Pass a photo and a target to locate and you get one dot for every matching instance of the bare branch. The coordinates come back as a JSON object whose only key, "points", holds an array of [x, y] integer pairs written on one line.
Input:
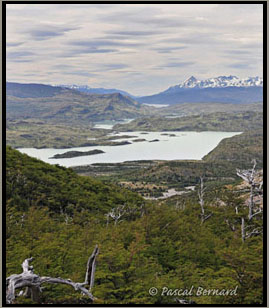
{"points": [[259, 212], [230, 225], [201, 192], [116, 213], [249, 177], [91, 265], [208, 216], [27, 279], [243, 231], [254, 232]]}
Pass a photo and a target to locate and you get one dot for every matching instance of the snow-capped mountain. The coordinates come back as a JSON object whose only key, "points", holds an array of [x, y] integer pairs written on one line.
{"points": [[221, 82], [223, 89]]}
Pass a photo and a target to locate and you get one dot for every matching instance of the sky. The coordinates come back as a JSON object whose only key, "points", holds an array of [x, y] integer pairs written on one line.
{"points": [[139, 48]]}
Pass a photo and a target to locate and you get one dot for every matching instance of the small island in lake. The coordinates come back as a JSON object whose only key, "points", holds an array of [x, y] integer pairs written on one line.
{"points": [[139, 140], [121, 143], [71, 154]]}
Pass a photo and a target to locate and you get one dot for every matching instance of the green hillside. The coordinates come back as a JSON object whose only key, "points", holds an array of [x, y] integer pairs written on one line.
{"points": [[58, 217], [31, 182], [240, 149]]}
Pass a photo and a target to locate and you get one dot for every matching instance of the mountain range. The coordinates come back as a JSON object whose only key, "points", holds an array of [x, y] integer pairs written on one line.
{"points": [[222, 89], [61, 104], [88, 89], [81, 103], [219, 82]]}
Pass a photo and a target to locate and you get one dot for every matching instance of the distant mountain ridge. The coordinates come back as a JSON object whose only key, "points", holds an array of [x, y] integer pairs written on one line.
{"points": [[87, 89], [220, 82], [63, 104], [32, 90], [222, 89]]}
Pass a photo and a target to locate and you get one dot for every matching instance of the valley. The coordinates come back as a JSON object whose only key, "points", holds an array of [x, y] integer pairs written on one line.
{"points": [[128, 140], [133, 153], [134, 175]]}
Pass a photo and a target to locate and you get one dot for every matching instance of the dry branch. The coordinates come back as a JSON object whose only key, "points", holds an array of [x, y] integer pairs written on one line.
{"points": [[27, 279], [201, 192]]}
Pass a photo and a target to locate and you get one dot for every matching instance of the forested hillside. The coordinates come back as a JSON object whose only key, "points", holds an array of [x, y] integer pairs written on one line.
{"points": [[240, 149], [31, 182], [58, 217]]}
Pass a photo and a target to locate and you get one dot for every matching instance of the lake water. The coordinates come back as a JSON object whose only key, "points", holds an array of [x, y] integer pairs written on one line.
{"points": [[109, 124], [156, 105], [184, 145]]}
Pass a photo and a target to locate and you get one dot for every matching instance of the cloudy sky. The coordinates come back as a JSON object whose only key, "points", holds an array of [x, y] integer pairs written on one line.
{"points": [[140, 48]]}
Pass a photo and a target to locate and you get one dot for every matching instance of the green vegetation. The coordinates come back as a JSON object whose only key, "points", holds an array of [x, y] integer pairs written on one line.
{"points": [[240, 149], [57, 217], [33, 182], [218, 121]]}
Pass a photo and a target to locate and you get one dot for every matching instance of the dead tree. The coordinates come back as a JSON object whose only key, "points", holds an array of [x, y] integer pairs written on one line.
{"points": [[201, 192], [247, 234], [116, 213], [32, 282], [255, 187]]}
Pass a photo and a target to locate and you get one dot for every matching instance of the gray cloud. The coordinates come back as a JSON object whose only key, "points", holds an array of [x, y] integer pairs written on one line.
{"points": [[20, 56], [80, 51], [43, 32], [239, 65], [82, 73], [115, 66], [168, 49], [143, 48], [62, 67], [14, 44], [175, 64], [20, 60], [95, 44], [238, 52], [135, 33], [151, 18]]}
